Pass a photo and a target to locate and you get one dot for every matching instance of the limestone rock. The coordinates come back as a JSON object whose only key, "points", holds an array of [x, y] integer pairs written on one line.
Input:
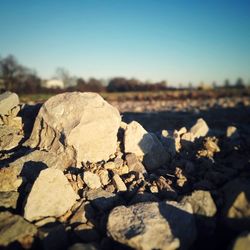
{"points": [[153, 225], [83, 214], [232, 132], [102, 199], [137, 140], [91, 180], [8, 101], [10, 137], [9, 199], [51, 195], [9, 178], [15, 228], [200, 128], [83, 122], [157, 156], [118, 183]]}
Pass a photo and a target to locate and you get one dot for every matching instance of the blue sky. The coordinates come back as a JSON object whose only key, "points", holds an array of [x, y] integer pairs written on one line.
{"points": [[173, 40]]}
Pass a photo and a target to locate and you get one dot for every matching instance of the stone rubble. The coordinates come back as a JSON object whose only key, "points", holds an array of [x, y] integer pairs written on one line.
{"points": [[84, 179]]}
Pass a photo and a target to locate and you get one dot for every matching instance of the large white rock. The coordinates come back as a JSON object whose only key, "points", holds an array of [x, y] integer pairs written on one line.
{"points": [[51, 195], [82, 122], [8, 101]]}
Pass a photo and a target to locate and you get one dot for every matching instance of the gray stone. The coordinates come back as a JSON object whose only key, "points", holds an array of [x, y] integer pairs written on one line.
{"points": [[8, 101], [157, 156], [9, 178], [91, 180], [9, 199], [102, 199], [51, 195], [81, 122], [83, 214], [134, 164], [15, 228], [204, 210], [10, 137], [137, 140], [200, 128], [153, 225]]}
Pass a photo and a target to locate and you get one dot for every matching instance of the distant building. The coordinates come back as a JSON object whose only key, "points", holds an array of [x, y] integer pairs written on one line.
{"points": [[53, 83]]}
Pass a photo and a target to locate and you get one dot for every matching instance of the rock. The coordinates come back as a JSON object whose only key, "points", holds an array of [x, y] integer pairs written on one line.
{"points": [[104, 176], [200, 128], [156, 157], [80, 122], [83, 214], [15, 228], [9, 199], [204, 210], [102, 199], [51, 195], [188, 137], [153, 225], [232, 132], [242, 242], [28, 167], [144, 197], [10, 137], [8, 101], [235, 211], [134, 164], [9, 178], [119, 184], [91, 180], [109, 165], [137, 140]]}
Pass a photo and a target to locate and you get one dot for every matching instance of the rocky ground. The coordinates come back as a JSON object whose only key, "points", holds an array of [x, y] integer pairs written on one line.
{"points": [[75, 174]]}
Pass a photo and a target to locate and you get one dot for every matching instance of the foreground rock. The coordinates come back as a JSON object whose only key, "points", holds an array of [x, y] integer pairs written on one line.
{"points": [[51, 195], [81, 122], [15, 228], [164, 225], [8, 101]]}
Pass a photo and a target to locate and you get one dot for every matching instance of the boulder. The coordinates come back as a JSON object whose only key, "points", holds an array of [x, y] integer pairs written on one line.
{"points": [[200, 128], [8, 101], [153, 225], [81, 122], [51, 195], [15, 228]]}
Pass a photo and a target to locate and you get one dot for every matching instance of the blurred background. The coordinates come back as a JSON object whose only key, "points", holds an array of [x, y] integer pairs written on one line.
{"points": [[152, 50]]}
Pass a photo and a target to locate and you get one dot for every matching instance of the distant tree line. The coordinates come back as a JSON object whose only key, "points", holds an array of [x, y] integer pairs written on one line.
{"points": [[18, 78]]}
